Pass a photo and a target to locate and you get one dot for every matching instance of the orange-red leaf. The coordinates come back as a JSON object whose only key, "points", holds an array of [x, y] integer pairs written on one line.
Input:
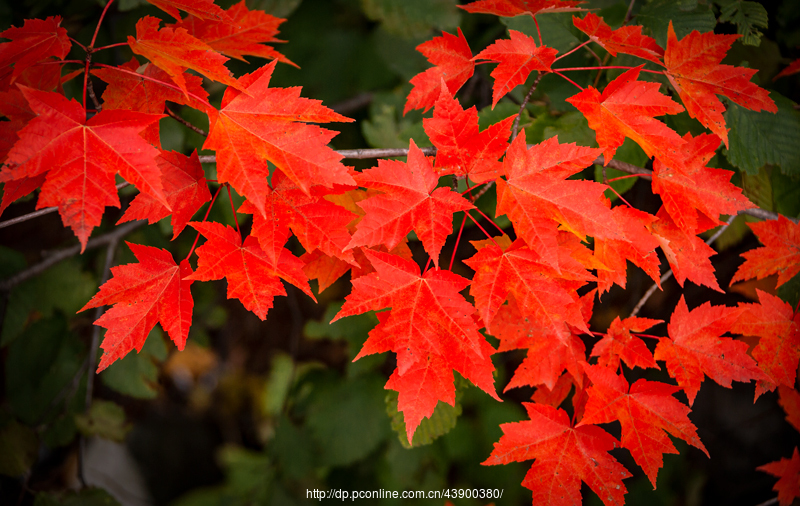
{"points": [[695, 347], [564, 456], [694, 69], [647, 412], [793, 68], [452, 58], [511, 8], [518, 57], [619, 344], [778, 349], [253, 277], [788, 470], [790, 402], [626, 39], [697, 188], [173, 50], [537, 195], [185, 188], [687, 254], [203, 9], [627, 108], [271, 124], [37, 40], [410, 200], [80, 158], [462, 149], [430, 327], [780, 254], [154, 290], [242, 36]]}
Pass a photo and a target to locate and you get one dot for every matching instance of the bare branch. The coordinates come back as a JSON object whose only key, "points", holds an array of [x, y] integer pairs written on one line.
{"points": [[109, 238], [669, 273], [522, 106], [353, 104], [174, 115]]}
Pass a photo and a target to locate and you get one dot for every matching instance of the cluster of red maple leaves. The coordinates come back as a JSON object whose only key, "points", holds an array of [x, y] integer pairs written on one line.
{"points": [[524, 291]]}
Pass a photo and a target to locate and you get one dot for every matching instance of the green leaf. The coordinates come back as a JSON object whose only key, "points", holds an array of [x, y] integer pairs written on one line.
{"points": [[440, 423], [19, 448], [277, 384], [557, 30], [137, 374], [747, 16], [346, 420], [399, 54], [105, 419], [293, 449], [42, 362], [686, 16], [620, 186], [353, 330], [759, 138], [790, 291], [63, 287], [89, 496], [572, 127], [413, 18]]}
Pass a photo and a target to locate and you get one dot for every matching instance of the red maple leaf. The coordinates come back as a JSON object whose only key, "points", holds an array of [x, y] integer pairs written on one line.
{"points": [[635, 244], [788, 470], [780, 254], [185, 188], [430, 327], [537, 195], [697, 188], [694, 69], [203, 9], [647, 412], [253, 276], [564, 456], [154, 290], [687, 254], [243, 35], [37, 40], [270, 124], [778, 350], [80, 158], [173, 50], [511, 8], [619, 344], [518, 57], [518, 270], [695, 346], [790, 402], [627, 108], [625, 39], [410, 200], [462, 149], [452, 58], [147, 88], [316, 222], [793, 68]]}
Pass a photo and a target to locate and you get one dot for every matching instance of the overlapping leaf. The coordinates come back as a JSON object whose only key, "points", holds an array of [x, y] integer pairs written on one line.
{"points": [[81, 157], [202, 9], [154, 290], [647, 412], [627, 108], [694, 69], [620, 345], [410, 200], [35, 41], [625, 39], [253, 276], [510, 8], [788, 472], [271, 124], [695, 347], [430, 328], [563, 457]]}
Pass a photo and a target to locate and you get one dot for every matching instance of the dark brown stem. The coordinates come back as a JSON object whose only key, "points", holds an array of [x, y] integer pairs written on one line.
{"points": [[175, 116], [629, 14], [515, 128], [90, 90]]}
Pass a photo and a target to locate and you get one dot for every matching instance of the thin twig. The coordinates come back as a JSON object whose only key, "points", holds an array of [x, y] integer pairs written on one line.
{"points": [[628, 15], [515, 128], [111, 237], [669, 273], [360, 154], [41, 212], [185, 123], [353, 104], [90, 90], [769, 502]]}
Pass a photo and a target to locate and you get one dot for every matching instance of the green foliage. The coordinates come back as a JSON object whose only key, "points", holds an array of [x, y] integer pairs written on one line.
{"points": [[136, 375], [105, 419], [686, 15], [748, 18], [20, 448], [413, 18]]}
